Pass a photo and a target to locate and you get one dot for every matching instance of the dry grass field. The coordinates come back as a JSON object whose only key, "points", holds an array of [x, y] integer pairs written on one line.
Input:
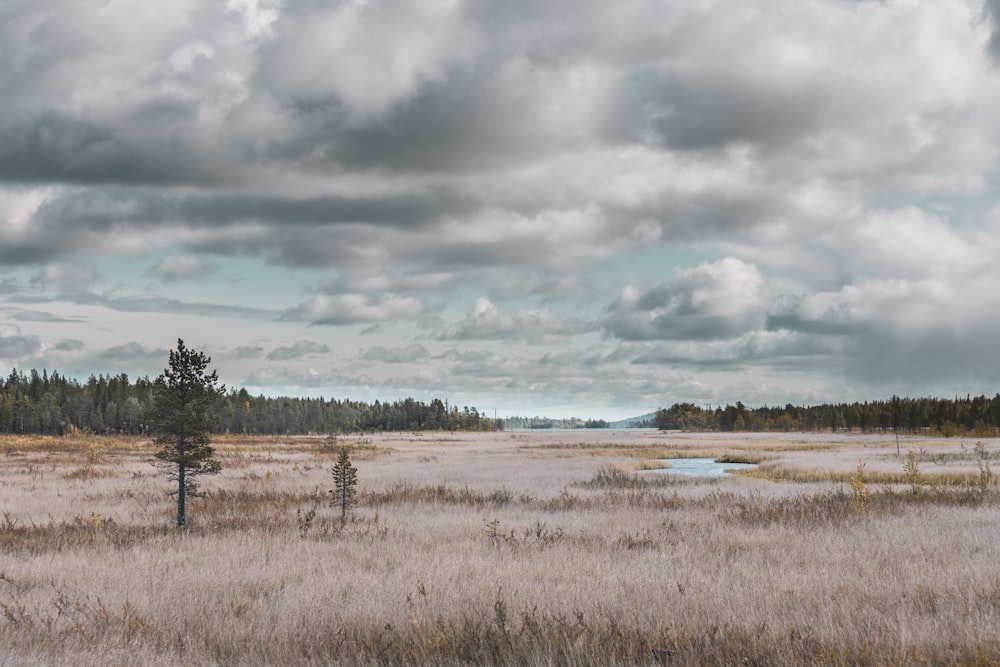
{"points": [[505, 548]]}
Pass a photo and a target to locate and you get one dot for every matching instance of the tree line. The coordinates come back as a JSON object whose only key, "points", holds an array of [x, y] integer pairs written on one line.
{"points": [[53, 404], [518, 423], [972, 415]]}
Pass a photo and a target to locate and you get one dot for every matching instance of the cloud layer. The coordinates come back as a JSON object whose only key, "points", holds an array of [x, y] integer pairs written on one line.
{"points": [[567, 205]]}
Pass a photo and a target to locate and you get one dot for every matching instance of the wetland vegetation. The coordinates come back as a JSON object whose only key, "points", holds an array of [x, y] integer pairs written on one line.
{"points": [[494, 548]]}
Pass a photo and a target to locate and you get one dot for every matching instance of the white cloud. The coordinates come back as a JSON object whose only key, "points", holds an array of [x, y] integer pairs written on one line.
{"points": [[396, 355], [258, 15], [182, 267], [66, 278], [190, 54], [367, 56], [17, 207], [355, 309], [298, 350], [794, 193], [722, 299], [486, 321]]}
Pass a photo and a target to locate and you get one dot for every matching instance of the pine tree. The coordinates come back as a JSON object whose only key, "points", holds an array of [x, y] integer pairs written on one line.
{"points": [[184, 395], [345, 482]]}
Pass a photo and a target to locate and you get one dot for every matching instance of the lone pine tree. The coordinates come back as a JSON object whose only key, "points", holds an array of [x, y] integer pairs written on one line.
{"points": [[345, 482], [181, 418]]}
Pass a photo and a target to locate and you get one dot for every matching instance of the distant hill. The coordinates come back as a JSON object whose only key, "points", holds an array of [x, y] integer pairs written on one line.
{"points": [[542, 423], [647, 420]]}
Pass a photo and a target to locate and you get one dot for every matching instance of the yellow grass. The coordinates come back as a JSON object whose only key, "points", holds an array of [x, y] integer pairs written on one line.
{"points": [[778, 473], [470, 549]]}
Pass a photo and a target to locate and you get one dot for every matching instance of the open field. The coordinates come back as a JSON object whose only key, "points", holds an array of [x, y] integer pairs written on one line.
{"points": [[504, 548]]}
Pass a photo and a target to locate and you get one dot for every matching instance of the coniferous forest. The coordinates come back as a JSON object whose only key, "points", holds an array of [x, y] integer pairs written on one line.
{"points": [[972, 415], [114, 404], [57, 405]]}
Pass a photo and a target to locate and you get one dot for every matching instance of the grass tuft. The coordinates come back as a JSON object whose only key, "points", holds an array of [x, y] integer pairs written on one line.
{"points": [[439, 494]]}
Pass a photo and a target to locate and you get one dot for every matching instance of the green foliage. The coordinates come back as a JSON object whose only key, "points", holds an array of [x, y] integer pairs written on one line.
{"points": [[977, 415], [113, 404], [912, 471], [345, 482], [858, 487], [184, 395], [95, 452]]}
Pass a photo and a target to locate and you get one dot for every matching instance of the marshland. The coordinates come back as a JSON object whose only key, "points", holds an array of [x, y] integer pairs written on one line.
{"points": [[554, 548]]}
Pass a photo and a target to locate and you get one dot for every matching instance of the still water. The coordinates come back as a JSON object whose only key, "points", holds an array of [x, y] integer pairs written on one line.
{"points": [[701, 467]]}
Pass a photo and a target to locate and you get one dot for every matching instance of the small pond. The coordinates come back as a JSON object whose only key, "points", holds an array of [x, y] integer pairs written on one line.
{"points": [[701, 467]]}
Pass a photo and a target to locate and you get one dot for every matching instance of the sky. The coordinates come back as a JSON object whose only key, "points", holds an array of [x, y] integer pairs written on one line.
{"points": [[563, 207]]}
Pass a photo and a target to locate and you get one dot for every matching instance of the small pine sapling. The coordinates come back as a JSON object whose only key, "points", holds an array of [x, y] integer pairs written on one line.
{"points": [[345, 482]]}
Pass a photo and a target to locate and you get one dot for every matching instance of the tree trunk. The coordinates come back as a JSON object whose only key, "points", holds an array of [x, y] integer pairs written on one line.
{"points": [[180, 494], [343, 501]]}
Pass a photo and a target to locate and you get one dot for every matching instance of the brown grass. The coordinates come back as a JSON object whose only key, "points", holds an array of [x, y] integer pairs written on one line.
{"points": [[470, 552], [777, 473]]}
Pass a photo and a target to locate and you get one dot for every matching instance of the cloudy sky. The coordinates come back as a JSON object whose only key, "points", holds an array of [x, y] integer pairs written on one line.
{"points": [[563, 207]]}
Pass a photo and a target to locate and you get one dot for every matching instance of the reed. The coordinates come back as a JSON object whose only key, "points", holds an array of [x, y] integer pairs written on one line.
{"points": [[779, 473]]}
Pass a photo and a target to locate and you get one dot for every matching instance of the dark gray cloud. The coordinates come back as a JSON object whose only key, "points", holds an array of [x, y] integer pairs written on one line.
{"points": [[789, 196], [306, 232], [54, 147], [406, 210], [148, 304], [753, 352], [706, 109], [505, 97], [16, 347], [21, 315], [104, 209], [10, 286], [890, 332], [69, 345], [89, 98], [793, 321], [796, 315], [131, 352], [469, 122], [248, 352], [992, 8], [151, 303], [935, 356]]}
